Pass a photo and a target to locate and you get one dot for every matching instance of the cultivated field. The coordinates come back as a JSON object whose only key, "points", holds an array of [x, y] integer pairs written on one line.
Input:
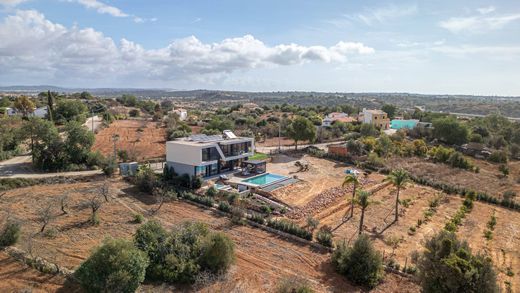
{"points": [[142, 139], [503, 248], [263, 259], [489, 179]]}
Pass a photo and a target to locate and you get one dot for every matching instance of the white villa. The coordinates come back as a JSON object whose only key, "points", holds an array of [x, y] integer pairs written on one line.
{"points": [[208, 155]]}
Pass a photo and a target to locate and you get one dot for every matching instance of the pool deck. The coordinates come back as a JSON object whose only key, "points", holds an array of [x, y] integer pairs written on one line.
{"points": [[238, 178]]}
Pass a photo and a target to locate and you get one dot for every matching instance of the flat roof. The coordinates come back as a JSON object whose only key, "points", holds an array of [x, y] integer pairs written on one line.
{"points": [[202, 139]]}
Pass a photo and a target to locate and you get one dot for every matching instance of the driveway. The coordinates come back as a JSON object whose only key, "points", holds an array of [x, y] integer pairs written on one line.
{"points": [[93, 123], [266, 150]]}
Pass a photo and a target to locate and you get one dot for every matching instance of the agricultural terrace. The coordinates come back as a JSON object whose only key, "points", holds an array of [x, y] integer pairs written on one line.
{"points": [[263, 258], [423, 212]]}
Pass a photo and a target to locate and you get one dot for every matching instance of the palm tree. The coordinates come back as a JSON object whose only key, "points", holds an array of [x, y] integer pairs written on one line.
{"points": [[363, 201], [399, 178], [351, 179]]}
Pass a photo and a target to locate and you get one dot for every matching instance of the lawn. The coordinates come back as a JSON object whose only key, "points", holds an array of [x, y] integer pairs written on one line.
{"points": [[259, 156]]}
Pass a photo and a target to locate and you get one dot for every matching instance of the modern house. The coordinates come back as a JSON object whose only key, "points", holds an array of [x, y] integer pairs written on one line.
{"points": [[336, 116], [377, 118], [208, 155]]}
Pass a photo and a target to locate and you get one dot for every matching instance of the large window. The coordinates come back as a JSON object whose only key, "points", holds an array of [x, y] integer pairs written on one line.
{"points": [[210, 154], [231, 150]]}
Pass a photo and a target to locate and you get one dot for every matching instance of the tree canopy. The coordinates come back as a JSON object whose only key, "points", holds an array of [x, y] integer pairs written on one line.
{"points": [[300, 129]]}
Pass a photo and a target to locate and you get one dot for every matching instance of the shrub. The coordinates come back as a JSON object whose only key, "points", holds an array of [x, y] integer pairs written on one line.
{"points": [[488, 234], [10, 233], [116, 266], [145, 179], [498, 157], [447, 265], [224, 206], [211, 192], [294, 285], [138, 218], [324, 236], [181, 255], [109, 166], [361, 263], [257, 218], [290, 227], [237, 215], [509, 195], [265, 209], [218, 253]]}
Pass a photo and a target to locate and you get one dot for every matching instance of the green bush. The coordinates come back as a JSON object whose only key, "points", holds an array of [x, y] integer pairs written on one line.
{"points": [[116, 266], [324, 236], [224, 206], [361, 263], [294, 285], [181, 255], [211, 192], [447, 265], [138, 218], [109, 166], [146, 179], [10, 233], [218, 253], [289, 227], [257, 218], [498, 157]]}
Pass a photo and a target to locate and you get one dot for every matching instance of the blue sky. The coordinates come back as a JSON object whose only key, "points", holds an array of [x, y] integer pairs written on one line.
{"points": [[458, 47]]}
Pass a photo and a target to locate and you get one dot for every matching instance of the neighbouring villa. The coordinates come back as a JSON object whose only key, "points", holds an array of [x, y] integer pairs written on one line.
{"points": [[208, 155], [403, 123], [183, 114], [336, 116], [377, 118]]}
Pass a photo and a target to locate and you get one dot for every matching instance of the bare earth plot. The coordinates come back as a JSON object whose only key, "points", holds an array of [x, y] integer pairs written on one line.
{"points": [[263, 259], [16, 277], [140, 138], [488, 179]]}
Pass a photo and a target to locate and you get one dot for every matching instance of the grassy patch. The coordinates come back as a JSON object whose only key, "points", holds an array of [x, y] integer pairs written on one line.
{"points": [[259, 156]]}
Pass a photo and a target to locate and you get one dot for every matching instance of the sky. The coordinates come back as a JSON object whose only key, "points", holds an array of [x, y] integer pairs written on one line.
{"points": [[428, 46]]}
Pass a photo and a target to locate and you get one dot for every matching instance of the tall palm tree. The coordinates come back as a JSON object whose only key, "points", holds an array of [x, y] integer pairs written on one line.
{"points": [[399, 178], [363, 201], [351, 179]]}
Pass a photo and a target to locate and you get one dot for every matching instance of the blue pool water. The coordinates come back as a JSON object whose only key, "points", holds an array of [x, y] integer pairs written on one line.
{"points": [[264, 179], [399, 124]]}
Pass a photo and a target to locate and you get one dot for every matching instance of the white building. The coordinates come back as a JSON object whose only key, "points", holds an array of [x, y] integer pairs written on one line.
{"points": [[336, 116], [206, 156], [183, 114]]}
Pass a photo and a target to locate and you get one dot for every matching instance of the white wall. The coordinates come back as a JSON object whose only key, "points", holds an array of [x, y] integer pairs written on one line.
{"points": [[185, 154]]}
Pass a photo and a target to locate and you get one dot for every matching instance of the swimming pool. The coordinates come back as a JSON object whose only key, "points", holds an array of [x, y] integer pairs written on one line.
{"points": [[399, 124], [264, 179]]}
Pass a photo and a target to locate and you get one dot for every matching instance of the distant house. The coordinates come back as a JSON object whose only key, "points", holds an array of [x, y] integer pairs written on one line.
{"points": [[182, 113], [336, 116], [7, 111], [204, 156], [377, 118], [40, 112]]}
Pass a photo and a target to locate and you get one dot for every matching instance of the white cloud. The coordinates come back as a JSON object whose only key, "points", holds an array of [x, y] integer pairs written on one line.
{"points": [[486, 10], [102, 8], [383, 14], [11, 3], [481, 23], [34, 44], [491, 51]]}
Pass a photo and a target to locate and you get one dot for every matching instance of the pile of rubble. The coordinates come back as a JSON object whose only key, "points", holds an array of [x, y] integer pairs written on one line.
{"points": [[320, 202]]}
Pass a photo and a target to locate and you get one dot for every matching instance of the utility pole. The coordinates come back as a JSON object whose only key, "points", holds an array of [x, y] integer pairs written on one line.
{"points": [[279, 135], [115, 138]]}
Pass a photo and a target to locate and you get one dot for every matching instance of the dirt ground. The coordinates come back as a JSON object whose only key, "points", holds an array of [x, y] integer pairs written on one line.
{"points": [[17, 277], [489, 179], [142, 139], [263, 259], [322, 175], [285, 141]]}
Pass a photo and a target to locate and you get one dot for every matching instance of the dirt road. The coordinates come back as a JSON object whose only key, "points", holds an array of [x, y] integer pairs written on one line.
{"points": [[20, 167]]}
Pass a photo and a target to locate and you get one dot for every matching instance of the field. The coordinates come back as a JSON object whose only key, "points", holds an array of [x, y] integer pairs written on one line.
{"points": [[489, 179], [503, 248], [263, 259], [143, 140]]}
